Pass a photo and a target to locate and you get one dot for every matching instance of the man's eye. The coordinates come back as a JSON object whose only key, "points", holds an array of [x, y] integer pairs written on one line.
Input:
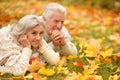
{"points": [[56, 21], [62, 22]]}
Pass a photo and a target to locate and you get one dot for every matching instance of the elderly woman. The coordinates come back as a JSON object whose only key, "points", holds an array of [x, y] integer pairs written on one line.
{"points": [[18, 44]]}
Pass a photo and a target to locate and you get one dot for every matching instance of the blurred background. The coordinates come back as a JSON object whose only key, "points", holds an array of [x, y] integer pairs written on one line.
{"points": [[95, 22], [86, 19]]}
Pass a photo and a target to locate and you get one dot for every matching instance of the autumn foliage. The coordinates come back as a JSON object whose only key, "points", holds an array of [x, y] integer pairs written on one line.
{"points": [[95, 32]]}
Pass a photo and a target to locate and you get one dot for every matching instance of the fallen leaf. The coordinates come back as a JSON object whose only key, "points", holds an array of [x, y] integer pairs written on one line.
{"points": [[36, 65]]}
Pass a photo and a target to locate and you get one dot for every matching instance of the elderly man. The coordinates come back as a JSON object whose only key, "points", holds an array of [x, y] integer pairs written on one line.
{"points": [[56, 34]]}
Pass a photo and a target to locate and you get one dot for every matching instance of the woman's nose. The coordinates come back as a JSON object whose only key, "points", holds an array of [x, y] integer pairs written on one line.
{"points": [[38, 37]]}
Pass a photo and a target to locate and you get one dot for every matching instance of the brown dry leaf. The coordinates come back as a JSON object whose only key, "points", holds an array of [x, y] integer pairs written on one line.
{"points": [[116, 56]]}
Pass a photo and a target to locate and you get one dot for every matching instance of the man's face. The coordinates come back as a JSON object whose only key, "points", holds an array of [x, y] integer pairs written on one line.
{"points": [[34, 35], [55, 22]]}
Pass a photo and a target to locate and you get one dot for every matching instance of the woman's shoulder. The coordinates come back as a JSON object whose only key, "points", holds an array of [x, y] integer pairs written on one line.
{"points": [[5, 31]]}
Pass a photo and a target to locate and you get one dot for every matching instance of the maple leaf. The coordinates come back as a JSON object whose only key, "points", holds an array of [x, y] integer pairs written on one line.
{"points": [[94, 77], [118, 70], [78, 63], [72, 76], [114, 77], [71, 57], [89, 70], [106, 53], [28, 76], [91, 51], [36, 65], [116, 56], [46, 71], [36, 76], [17, 78]]}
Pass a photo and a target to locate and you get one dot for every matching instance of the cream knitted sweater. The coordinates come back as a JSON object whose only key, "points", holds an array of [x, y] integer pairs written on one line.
{"points": [[15, 59]]}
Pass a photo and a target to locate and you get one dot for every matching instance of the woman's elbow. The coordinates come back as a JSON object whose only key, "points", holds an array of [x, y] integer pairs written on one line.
{"points": [[19, 70], [54, 61]]}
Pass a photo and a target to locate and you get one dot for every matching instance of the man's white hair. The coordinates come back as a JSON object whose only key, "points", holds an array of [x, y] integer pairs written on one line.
{"points": [[50, 8], [24, 24]]}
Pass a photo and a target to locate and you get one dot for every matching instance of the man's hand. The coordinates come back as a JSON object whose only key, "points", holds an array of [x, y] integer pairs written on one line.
{"points": [[22, 39], [58, 38]]}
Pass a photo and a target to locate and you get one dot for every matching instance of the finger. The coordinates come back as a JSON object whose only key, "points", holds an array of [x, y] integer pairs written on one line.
{"points": [[58, 37], [55, 33], [56, 43]]}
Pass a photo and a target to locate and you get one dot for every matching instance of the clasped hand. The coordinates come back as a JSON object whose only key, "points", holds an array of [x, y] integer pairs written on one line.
{"points": [[58, 38]]}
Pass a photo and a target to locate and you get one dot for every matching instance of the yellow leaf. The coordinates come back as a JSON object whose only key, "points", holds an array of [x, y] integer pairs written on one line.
{"points": [[114, 77], [17, 78], [118, 70], [88, 71], [72, 57], [62, 70], [36, 65], [82, 77], [106, 53], [91, 51], [2, 73], [72, 76], [29, 76], [97, 77], [94, 77], [36, 76], [47, 72]]}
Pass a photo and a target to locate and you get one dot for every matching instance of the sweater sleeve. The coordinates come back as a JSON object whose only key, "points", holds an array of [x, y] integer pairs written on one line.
{"points": [[69, 48], [48, 53], [17, 64]]}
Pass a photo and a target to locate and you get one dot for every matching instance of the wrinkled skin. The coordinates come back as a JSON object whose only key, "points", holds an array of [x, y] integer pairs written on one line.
{"points": [[32, 38], [54, 25]]}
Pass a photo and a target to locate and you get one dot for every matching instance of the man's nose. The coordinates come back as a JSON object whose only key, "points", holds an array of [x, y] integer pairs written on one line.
{"points": [[59, 26]]}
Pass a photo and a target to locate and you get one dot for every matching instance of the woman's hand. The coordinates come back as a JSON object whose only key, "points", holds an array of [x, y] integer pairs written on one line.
{"points": [[58, 38], [22, 39]]}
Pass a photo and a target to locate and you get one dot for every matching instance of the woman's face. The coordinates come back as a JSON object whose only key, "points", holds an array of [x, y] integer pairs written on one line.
{"points": [[34, 35]]}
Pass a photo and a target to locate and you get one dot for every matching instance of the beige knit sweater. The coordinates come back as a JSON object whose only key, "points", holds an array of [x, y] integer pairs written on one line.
{"points": [[15, 59]]}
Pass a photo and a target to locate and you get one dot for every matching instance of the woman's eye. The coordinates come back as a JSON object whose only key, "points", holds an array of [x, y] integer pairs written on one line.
{"points": [[34, 33], [41, 33]]}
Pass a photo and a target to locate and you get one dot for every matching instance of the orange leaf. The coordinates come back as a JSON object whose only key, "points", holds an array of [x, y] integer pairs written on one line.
{"points": [[37, 77], [36, 65], [78, 63]]}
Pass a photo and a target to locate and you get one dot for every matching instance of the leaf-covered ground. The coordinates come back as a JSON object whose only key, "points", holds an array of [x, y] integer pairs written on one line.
{"points": [[95, 32]]}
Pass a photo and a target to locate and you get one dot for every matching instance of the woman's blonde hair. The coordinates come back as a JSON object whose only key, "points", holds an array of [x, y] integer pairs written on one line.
{"points": [[24, 24]]}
